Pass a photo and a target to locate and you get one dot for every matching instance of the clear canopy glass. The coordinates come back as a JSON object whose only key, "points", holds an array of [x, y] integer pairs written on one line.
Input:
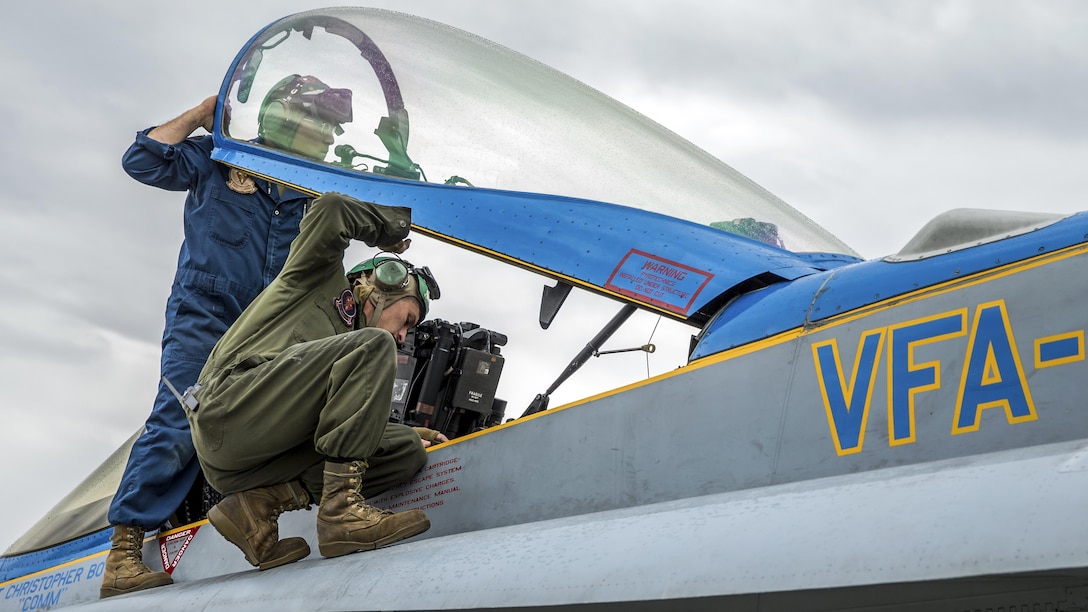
{"points": [[433, 103]]}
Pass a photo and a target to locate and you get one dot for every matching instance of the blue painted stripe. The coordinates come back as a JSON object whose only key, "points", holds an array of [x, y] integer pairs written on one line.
{"points": [[18, 566], [1058, 349]]}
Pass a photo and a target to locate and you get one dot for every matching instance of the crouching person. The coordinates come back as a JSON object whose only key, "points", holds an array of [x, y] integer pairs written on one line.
{"points": [[293, 403]]}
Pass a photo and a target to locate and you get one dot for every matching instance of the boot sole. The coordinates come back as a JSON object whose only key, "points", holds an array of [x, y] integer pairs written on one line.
{"points": [[341, 548], [105, 592], [234, 535], [289, 556]]}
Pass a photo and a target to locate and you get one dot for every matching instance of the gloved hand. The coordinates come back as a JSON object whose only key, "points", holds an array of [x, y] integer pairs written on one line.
{"points": [[430, 436], [397, 248]]}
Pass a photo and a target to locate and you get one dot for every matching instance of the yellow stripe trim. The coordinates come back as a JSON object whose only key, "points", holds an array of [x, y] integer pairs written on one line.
{"points": [[55, 568]]}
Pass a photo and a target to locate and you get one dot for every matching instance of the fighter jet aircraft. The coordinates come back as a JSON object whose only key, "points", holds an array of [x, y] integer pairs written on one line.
{"points": [[896, 434]]}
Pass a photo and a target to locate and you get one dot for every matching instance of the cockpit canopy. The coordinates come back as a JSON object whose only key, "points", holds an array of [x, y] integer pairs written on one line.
{"points": [[432, 103]]}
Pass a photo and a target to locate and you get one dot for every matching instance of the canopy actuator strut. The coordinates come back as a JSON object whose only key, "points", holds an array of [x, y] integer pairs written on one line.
{"points": [[540, 402]]}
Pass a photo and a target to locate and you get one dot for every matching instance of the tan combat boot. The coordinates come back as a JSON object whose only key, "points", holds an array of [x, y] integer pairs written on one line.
{"points": [[249, 520], [125, 570], [346, 524]]}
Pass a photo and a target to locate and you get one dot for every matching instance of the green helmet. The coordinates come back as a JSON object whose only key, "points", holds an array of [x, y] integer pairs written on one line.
{"points": [[397, 278], [296, 99], [748, 227]]}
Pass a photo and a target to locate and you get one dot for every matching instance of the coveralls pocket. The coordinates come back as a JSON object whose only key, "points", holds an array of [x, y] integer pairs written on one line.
{"points": [[207, 428], [215, 401], [200, 318], [315, 328], [230, 217], [224, 403]]}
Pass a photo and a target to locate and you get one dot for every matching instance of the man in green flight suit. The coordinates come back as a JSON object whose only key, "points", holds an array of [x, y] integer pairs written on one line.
{"points": [[292, 406]]}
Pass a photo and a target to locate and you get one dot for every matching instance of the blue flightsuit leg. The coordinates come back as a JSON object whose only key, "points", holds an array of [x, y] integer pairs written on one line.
{"points": [[162, 465]]}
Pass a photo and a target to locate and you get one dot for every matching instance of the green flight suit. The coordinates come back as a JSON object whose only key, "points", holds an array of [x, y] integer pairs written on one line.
{"points": [[293, 383]]}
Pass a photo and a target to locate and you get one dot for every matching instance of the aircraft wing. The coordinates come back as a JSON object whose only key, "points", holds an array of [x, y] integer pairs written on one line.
{"points": [[875, 540]]}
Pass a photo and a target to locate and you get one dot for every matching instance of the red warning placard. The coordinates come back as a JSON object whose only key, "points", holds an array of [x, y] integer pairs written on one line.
{"points": [[658, 281], [172, 546]]}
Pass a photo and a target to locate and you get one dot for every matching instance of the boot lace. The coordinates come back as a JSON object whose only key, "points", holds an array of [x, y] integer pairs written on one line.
{"points": [[355, 496], [135, 550]]}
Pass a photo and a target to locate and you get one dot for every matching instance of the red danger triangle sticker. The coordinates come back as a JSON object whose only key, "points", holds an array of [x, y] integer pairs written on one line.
{"points": [[172, 546]]}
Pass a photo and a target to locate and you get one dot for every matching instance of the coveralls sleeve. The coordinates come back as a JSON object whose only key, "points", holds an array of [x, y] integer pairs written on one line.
{"points": [[332, 222], [172, 167]]}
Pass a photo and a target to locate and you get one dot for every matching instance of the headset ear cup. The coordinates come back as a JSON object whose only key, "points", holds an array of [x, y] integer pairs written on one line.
{"points": [[275, 126], [390, 274]]}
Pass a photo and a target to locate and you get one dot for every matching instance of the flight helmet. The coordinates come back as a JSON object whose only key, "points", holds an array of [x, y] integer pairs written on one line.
{"points": [[301, 102], [384, 279]]}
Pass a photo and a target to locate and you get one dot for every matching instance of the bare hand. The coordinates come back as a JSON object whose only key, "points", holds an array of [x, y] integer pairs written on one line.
{"points": [[207, 107], [181, 127]]}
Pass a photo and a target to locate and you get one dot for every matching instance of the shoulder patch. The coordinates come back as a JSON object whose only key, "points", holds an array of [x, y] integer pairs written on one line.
{"points": [[345, 305]]}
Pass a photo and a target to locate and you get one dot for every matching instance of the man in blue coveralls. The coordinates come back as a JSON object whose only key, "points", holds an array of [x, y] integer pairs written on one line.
{"points": [[238, 231]]}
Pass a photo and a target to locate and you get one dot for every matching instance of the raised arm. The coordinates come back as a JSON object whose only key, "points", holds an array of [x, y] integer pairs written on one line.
{"points": [[181, 127], [165, 156], [333, 221]]}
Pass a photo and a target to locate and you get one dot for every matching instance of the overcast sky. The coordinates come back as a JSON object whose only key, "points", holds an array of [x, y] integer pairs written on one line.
{"points": [[868, 117]]}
